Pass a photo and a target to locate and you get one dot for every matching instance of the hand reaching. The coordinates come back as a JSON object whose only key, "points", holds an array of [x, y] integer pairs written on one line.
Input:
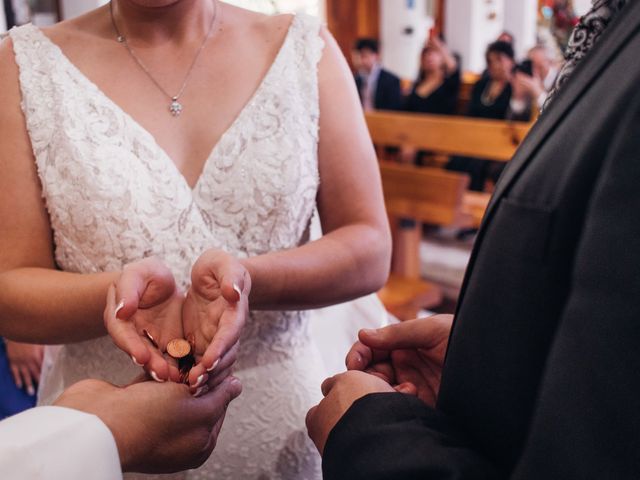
{"points": [[409, 355], [157, 428], [215, 309]]}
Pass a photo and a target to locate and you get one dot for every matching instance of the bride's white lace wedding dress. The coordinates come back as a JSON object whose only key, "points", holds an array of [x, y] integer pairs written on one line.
{"points": [[114, 196]]}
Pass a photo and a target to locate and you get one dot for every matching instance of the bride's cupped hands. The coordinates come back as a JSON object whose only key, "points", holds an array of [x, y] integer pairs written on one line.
{"points": [[145, 310]]}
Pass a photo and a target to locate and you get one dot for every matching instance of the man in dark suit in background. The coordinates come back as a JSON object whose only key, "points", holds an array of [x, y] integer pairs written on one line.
{"points": [[541, 377], [379, 89]]}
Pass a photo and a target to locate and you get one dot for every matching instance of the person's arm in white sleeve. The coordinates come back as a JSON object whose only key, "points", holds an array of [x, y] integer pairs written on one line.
{"points": [[57, 442], [98, 430]]}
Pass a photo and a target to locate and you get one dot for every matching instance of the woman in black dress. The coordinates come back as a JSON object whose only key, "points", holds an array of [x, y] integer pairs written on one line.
{"points": [[490, 98], [436, 89]]}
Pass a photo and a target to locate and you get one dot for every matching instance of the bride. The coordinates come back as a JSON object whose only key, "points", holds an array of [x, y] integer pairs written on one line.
{"points": [[190, 131]]}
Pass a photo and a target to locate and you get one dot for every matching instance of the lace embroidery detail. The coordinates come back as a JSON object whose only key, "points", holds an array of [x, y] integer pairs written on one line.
{"points": [[114, 196]]}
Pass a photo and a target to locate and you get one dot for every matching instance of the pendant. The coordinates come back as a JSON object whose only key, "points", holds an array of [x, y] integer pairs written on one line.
{"points": [[176, 107]]}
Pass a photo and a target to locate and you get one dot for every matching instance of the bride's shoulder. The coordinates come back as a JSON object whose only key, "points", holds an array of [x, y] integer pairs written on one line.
{"points": [[258, 26], [81, 30]]}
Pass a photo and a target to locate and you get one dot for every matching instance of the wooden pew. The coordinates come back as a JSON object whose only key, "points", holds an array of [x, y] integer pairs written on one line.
{"points": [[448, 135], [422, 194], [468, 80], [431, 195]]}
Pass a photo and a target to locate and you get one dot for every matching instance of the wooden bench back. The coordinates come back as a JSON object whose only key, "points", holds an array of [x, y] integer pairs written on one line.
{"points": [[429, 195], [448, 135]]}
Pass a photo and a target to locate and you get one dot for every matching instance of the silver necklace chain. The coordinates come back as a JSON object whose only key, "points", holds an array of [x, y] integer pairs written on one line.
{"points": [[175, 107]]}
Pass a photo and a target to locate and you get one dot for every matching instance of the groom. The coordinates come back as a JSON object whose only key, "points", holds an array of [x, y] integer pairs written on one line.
{"points": [[541, 372]]}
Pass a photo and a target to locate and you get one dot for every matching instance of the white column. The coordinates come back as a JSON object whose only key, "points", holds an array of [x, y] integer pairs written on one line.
{"points": [[404, 26], [521, 19], [471, 25], [3, 20], [581, 6]]}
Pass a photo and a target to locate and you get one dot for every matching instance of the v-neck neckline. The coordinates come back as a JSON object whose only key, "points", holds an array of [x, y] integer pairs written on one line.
{"points": [[129, 118]]}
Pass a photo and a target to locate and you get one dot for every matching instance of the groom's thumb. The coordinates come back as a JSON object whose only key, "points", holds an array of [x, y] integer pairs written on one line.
{"points": [[405, 335]]}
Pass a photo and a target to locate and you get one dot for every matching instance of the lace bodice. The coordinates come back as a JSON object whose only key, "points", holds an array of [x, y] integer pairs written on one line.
{"points": [[114, 196]]}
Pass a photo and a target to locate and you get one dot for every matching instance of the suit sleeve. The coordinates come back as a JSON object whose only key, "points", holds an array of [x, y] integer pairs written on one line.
{"points": [[395, 436], [51, 443]]}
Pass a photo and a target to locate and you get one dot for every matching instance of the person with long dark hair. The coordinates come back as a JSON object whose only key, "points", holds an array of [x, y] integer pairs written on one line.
{"points": [[436, 89]]}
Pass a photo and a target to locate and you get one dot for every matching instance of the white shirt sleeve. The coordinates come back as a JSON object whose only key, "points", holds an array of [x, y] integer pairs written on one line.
{"points": [[52, 443]]}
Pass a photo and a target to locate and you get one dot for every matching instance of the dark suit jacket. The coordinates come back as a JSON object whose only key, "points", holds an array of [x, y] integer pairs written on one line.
{"points": [[388, 94], [542, 375]]}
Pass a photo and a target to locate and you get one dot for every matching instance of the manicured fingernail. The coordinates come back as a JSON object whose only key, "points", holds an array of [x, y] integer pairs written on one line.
{"points": [[237, 289], [119, 307], [154, 375], [31, 391], [151, 339], [136, 361], [200, 380], [370, 332], [215, 364]]}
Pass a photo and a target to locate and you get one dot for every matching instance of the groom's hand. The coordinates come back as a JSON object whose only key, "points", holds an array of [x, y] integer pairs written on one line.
{"points": [[215, 310], [409, 353], [158, 428], [144, 313], [340, 392]]}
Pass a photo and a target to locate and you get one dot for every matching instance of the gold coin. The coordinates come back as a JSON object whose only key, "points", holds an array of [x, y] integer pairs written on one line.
{"points": [[178, 348]]}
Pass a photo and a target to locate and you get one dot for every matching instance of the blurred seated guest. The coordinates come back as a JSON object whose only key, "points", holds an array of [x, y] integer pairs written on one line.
{"points": [[379, 89], [436, 89], [533, 81], [20, 365], [490, 98], [491, 95]]}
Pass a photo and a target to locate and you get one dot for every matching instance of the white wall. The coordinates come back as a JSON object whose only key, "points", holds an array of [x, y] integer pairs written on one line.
{"points": [[3, 20], [471, 25], [520, 18], [404, 28], [581, 6]]}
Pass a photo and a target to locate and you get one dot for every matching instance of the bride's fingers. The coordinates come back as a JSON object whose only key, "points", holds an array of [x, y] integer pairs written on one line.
{"points": [[226, 362], [143, 284], [216, 268], [174, 372], [157, 367], [227, 335], [235, 283], [123, 332]]}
